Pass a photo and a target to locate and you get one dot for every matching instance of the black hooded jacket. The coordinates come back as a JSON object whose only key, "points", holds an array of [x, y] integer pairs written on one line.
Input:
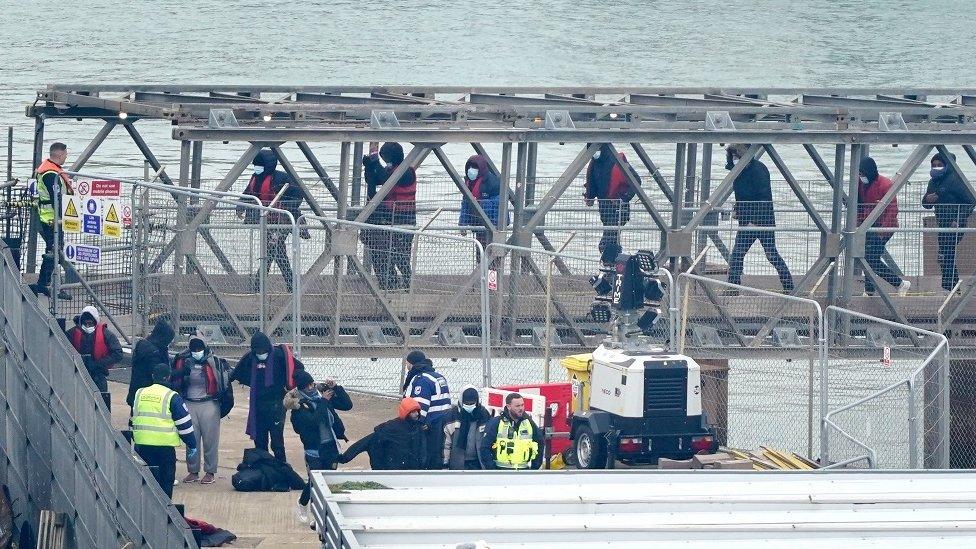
{"points": [[376, 175], [291, 200], [274, 394], [395, 445], [754, 196], [147, 354], [955, 203]]}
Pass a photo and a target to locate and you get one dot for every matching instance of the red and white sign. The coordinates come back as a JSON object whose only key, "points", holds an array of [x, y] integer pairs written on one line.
{"points": [[106, 189], [84, 187], [127, 215], [493, 280], [886, 357]]}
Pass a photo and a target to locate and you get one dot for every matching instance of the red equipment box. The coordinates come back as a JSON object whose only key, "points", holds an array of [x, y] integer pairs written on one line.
{"points": [[558, 397]]}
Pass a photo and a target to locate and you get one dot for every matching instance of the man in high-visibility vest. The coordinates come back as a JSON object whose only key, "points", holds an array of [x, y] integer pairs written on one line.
{"points": [[159, 421], [512, 439], [49, 179]]}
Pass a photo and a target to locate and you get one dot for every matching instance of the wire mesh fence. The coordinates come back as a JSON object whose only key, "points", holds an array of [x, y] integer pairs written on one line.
{"points": [[887, 393], [433, 297], [760, 355]]}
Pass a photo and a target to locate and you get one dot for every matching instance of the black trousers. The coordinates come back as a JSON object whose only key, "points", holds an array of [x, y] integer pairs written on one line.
{"points": [[390, 254], [874, 248], [744, 239], [162, 462], [947, 258], [50, 250], [271, 427], [435, 446], [278, 252], [613, 215], [328, 459]]}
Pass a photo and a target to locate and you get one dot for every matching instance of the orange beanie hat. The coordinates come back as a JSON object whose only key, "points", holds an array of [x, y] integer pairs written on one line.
{"points": [[407, 405]]}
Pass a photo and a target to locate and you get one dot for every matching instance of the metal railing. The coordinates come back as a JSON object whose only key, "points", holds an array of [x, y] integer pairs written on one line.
{"points": [[60, 450]]}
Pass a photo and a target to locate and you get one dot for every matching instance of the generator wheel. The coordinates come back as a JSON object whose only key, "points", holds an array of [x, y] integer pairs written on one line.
{"points": [[591, 450]]}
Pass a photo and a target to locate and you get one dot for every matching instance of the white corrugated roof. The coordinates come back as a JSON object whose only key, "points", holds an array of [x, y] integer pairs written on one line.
{"points": [[651, 509]]}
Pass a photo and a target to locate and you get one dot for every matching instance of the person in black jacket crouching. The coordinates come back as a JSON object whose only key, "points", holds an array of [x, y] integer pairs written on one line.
{"points": [[396, 445]]}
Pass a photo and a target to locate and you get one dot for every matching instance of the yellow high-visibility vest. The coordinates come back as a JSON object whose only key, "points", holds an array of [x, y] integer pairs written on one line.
{"points": [[515, 449], [152, 422]]}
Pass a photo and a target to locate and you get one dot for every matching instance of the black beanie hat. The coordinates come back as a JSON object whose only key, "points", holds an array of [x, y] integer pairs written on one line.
{"points": [[469, 395], [415, 357], [303, 379]]}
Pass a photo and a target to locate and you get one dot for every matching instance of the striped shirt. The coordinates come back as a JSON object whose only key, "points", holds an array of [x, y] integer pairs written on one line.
{"points": [[430, 389]]}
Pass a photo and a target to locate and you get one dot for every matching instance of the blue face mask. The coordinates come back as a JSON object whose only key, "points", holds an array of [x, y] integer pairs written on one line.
{"points": [[258, 170], [936, 172], [472, 173]]}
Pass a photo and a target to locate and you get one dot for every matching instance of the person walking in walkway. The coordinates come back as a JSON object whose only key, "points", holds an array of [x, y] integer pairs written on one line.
{"points": [[160, 420], [390, 251], [754, 212], [464, 430], [512, 440], [607, 184], [266, 184], [147, 354], [953, 204], [486, 188], [314, 417], [269, 370], [396, 445], [201, 377], [50, 178], [99, 348], [429, 388], [871, 188]]}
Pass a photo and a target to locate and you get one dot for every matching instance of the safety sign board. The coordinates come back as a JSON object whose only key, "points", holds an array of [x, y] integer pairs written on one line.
{"points": [[70, 218], [493, 280], [127, 215], [92, 206], [80, 253], [84, 187], [112, 219], [106, 189], [92, 224], [886, 357]]}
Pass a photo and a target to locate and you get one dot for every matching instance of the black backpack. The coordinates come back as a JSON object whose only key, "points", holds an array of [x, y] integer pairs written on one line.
{"points": [[248, 480]]}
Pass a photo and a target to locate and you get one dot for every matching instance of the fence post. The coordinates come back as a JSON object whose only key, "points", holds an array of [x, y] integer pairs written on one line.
{"points": [[912, 426]]}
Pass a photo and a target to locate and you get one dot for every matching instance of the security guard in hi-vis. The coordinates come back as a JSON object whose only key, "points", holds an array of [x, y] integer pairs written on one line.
{"points": [[160, 420], [512, 439]]}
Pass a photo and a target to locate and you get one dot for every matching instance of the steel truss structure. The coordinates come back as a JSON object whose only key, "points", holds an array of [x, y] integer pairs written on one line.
{"points": [[835, 128]]}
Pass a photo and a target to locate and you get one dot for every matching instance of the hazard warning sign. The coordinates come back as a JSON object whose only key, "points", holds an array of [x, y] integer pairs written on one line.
{"points": [[70, 219], [112, 215]]}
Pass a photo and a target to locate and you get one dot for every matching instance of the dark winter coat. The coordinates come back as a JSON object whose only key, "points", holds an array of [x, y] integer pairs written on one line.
{"points": [[605, 180], [454, 451], [955, 203], [147, 354], [276, 392], [307, 416], [291, 200], [98, 368], [395, 445], [754, 196], [486, 188], [217, 378], [399, 206]]}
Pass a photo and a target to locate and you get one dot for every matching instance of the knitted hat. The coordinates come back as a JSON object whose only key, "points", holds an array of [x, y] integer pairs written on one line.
{"points": [[303, 379], [415, 357], [407, 405]]}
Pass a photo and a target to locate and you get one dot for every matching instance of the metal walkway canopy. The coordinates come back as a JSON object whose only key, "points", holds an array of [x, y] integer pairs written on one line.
{"points": [[647, 509], [531, 114]]}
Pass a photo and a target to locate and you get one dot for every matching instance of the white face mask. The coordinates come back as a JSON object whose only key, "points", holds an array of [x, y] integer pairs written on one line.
{"points": [[469, 407], [864, 180], [88, 329], [258, 170], [472, 173], [735, 160], [197, 355], [261, 356], [596, 155]]}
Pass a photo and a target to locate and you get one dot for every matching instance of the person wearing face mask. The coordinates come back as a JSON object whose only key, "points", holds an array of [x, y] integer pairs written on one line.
{"points": [[871, 188], [265, 184], [464, 431], [396, 445], [953, 204], [607, 184], [147, 353], [201, 377], [486, 187], [389, 251], [754, 210], [99, 348], [269, 370], [314, 417]]}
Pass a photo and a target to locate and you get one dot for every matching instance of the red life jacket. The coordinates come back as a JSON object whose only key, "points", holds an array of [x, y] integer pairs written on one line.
{"points": [[618, 181], [208, 371], [100, 349], [263, 191], [402, 197], [289, 366]]}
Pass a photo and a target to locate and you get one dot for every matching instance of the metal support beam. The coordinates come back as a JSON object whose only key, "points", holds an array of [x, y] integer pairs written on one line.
{"points": [[36, 160], [797, 189], [297, 180], [955, 167], [146, 151], [93, 146], [645, 159], [412, 160], [458, 181], [721, 194], [320, 170], [561, 184]]}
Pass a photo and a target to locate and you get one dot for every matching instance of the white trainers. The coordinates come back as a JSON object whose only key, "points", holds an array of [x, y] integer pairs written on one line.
{"points": [[301, 513], [904, 287]]}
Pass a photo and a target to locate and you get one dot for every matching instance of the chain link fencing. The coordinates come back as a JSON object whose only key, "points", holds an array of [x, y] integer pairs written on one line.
{"points": [[760, 354], [887, 393], [60, 450], [357, 326]]}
